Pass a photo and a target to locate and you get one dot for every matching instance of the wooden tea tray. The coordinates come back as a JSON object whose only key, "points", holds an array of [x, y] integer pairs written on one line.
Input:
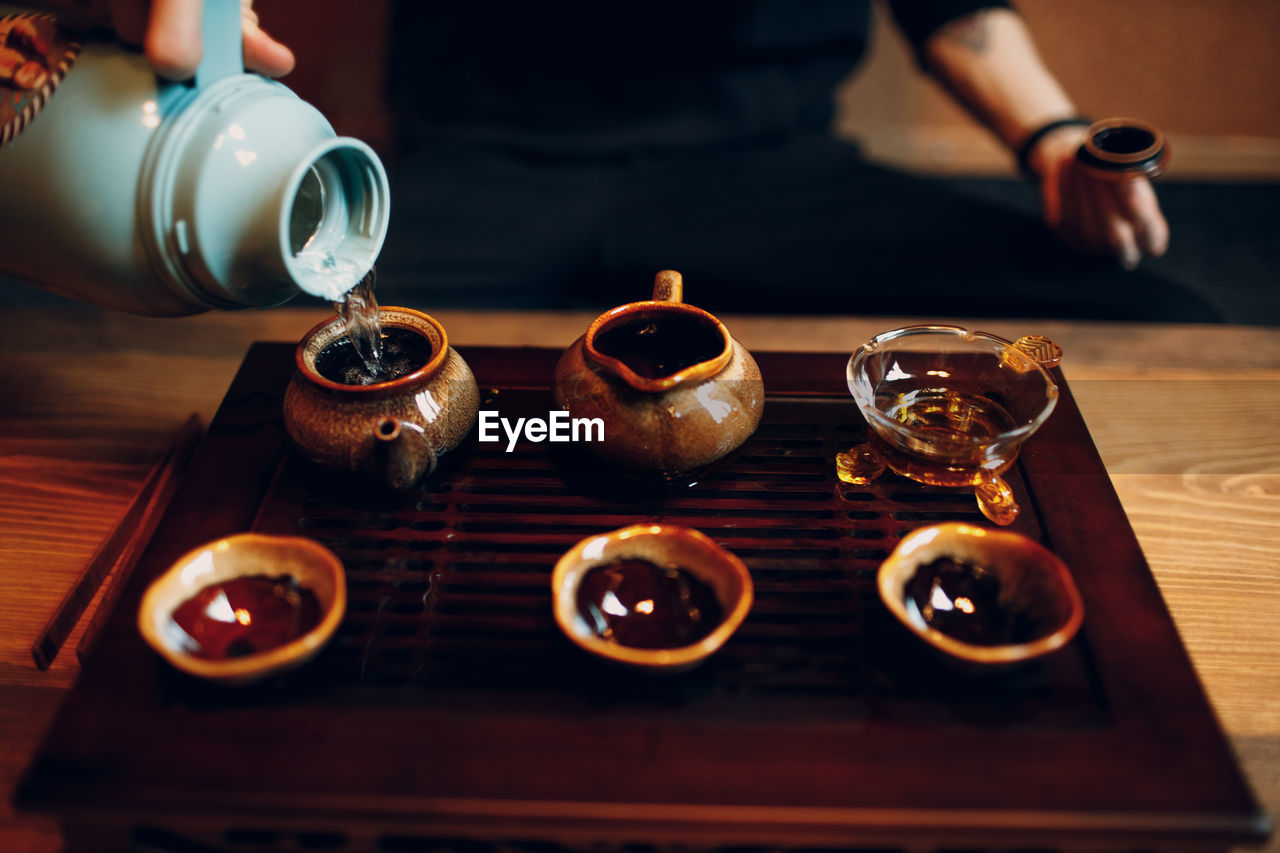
{"points": [[449, 713]]}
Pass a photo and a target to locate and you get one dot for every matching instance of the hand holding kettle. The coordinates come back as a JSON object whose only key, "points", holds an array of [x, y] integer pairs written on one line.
{"points": [[169, 32], [161, 198]]}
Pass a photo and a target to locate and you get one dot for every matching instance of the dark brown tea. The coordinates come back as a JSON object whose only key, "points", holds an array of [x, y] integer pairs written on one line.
{"points": [[246, 615], [402, 352], [636, 603], [658, 346], [1124, 140], [963, 601]]}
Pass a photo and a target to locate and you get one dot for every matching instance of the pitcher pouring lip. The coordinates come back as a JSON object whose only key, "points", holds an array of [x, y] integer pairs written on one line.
{"points": [[668, 291], [675, 392]]}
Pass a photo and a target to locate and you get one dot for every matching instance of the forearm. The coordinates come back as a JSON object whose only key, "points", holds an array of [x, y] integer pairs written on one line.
{"points": [[988, 62]]}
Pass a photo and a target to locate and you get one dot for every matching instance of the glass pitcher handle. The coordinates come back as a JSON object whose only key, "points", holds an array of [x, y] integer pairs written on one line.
{"points": [[1040, 348]]}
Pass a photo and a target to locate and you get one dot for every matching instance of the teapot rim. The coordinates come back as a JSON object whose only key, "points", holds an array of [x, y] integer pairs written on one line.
{"points": [[405, 318]]}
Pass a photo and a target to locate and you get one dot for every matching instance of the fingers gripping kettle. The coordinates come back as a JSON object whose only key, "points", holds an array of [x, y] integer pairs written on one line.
{"points": [[163, 199]]}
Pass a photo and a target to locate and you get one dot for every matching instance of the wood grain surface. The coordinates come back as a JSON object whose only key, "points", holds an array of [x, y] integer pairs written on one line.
{"points": [[1187, 419]]}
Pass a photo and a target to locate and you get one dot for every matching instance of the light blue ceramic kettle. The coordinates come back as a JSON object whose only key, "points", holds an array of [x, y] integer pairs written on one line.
{"points": [[162, 199]]}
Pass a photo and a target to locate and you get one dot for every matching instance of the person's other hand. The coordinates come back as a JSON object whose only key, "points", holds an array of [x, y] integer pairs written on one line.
{"points": [[1118, 218], [169, 32]]}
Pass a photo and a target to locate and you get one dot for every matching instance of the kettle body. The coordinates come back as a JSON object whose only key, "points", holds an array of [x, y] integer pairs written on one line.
{"points": [[161, 199]]}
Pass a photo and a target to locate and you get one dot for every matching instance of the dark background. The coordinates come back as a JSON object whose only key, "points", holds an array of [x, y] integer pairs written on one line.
{"points": [[1205, 72]]}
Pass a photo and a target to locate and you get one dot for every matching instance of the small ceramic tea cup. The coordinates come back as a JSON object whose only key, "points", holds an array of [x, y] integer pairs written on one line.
{"points": [[668, 547], [999, 582], [303, 564], [392, 432], [674, 390], [297, 561], [1123, 149]]}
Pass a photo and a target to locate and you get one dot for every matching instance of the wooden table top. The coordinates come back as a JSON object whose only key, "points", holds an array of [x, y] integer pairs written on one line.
{"points": [[1186, 418]]}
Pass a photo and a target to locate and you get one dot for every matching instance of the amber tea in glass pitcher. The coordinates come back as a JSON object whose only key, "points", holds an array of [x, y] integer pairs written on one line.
{"points": [[949, 407]]}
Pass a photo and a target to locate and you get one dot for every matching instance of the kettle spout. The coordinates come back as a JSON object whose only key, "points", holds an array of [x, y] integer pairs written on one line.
{"points": [[401, 455]]}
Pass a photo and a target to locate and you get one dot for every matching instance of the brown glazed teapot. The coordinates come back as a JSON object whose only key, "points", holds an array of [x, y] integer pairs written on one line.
{"points": [[390, 433], [674, 390]]}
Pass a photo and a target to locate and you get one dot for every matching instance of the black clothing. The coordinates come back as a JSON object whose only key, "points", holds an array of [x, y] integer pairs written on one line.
{"points": [[804, 226], [583, 76], [559, 154]]}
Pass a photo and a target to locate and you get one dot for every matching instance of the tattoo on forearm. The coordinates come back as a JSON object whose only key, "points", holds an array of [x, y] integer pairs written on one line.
{"points": [[968, 32]]}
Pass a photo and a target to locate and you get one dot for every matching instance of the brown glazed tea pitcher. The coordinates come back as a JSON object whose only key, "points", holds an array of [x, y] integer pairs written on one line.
{"points": [[390, 433], [675, 391]]}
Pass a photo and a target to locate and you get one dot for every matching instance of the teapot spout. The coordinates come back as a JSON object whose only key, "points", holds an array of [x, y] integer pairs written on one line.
{"points": [[402, 457]]}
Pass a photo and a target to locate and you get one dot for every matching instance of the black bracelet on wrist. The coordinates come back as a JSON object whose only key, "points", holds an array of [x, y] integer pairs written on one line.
{"points": [[1029, 144]]}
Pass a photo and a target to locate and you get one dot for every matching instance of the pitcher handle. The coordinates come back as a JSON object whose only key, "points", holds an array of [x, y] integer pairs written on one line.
{"points": [[668, 286], [221, 31], [223, 55], [1043, 350]]}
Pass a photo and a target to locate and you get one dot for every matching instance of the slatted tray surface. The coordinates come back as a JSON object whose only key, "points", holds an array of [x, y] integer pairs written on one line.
{"points": [[449, 706]]}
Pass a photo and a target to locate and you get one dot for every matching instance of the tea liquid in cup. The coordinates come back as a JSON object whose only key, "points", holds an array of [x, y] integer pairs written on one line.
{"points": [[1123, 149], [950, 407]]}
